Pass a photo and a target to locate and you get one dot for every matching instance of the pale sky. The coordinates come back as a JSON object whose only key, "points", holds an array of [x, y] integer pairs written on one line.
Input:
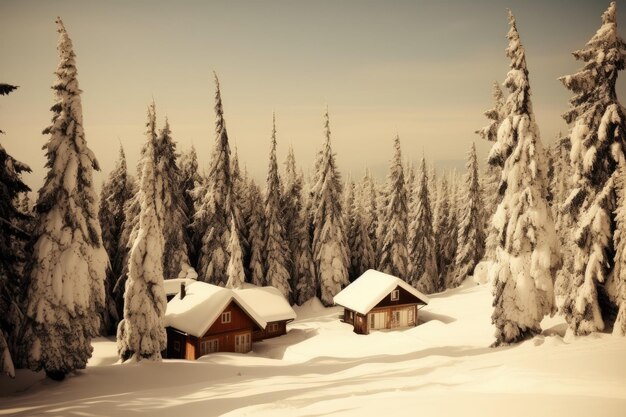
{"points": [[423, 69]]}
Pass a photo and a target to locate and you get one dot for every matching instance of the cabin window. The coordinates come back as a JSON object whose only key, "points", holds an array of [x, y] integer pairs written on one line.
{"points": [[272, 327], [209, 346], [226, 317], [395, 295], [177, 346]]}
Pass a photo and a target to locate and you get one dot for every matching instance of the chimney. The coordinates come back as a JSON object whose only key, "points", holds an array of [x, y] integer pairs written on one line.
{"points": [[182, 290]]}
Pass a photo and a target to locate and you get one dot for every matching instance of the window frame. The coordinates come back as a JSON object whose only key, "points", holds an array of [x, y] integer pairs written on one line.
{"points": [[395, 295], [226, 317]]}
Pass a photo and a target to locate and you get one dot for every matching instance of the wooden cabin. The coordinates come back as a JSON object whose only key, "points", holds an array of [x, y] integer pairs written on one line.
{"points": [[272, 306], [205, 318], [377, 301]]}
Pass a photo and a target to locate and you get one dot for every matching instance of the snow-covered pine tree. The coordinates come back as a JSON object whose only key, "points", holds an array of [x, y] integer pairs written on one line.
{"points": [[295, 228], [113, 197], [349, 192], [597, 139], [561, 186], [256, 224], [212, 218], [131, 218], [240, 205], [190, 179], [362, 255], [433, 190], [470, 234], [394, 255], [236, 275], [276, 253], [141, 333], [67, 268], [491, 177], [330, 247], [527, 256], [422, 250], [11, 276], [175, 254], [370, 205], [306, 284], [445, 236]]}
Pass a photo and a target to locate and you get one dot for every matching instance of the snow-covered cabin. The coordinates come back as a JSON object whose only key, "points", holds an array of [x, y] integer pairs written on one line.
{"points": [[205, 318], [377, 300], [272, 306]]}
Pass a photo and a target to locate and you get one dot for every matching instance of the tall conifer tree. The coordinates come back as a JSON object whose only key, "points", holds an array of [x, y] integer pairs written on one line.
{"points": [[68, 265]]}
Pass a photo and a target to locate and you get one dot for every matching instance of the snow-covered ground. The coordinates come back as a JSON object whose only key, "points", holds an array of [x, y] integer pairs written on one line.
{"points": [[443, 367]]}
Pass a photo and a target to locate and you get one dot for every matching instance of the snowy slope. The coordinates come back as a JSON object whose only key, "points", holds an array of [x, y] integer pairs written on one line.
{"points": [[441, 368]]}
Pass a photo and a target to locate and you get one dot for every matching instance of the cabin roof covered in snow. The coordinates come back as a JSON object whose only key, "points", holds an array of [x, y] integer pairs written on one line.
{"points": [[202, 305], [370, 288], [268, 302]]}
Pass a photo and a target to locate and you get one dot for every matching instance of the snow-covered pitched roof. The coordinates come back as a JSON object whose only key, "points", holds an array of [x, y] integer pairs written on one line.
{"points": [[172, 286], [268, 302], [370, 288], [202, 305]]}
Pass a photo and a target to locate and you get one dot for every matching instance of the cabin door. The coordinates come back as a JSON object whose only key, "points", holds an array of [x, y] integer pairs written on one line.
{"points": [[378, 320], [242, 343]]}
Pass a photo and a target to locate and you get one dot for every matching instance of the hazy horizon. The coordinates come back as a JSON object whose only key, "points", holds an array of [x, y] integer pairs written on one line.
{"points": [[422, 69]]}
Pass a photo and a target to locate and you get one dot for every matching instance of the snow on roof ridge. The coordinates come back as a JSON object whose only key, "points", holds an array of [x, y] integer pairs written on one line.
{"points": [[370, 288]]}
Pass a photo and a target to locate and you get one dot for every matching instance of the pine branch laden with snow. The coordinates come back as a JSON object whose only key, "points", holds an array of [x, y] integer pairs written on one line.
{"points": [[276, 253], [394, 255], [495, 115], [471, 234], [422, 251], [330, 247], [12, 243], [141, 333], [617, 284], [190, 179], [597, 152], [527, 256], [212, 219], [113, 197], [68, 264], [236, 275], [256, 224]]}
